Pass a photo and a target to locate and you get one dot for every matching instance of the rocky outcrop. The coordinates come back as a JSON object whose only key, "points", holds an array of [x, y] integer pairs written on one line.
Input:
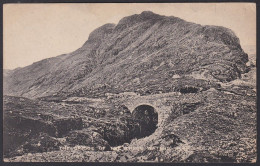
{"points": [[25, 119], [88, 138], [42, 142], [65, 125]]}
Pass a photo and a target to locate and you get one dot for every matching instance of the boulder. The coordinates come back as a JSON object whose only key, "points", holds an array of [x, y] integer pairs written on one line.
{"points": [[41, 143], [88, 138], [65, 125]]}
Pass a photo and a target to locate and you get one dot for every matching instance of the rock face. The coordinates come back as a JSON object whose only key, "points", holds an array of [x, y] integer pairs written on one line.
{"points": [[137, 54], [25, 119], [40, 143], [88, 138]]}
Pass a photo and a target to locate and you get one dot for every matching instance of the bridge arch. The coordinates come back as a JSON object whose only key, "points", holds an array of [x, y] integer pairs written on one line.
{"points": [[146, 117], [133, 105]]}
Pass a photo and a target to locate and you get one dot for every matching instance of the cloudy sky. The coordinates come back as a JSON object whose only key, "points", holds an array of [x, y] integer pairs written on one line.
{"points": [[33, 32]]}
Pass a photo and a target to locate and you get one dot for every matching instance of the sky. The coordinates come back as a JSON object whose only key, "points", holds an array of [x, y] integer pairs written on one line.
{"points": [[32, 32]]}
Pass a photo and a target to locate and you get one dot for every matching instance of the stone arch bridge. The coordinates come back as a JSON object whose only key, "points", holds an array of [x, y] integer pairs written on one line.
{"points": [[163, 104]]}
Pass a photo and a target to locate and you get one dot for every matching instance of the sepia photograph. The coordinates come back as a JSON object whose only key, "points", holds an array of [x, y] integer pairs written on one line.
{"points": [[129, 82]]}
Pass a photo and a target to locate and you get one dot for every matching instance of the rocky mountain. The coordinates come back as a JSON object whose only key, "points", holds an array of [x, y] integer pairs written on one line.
{"points": [[144, 53]]}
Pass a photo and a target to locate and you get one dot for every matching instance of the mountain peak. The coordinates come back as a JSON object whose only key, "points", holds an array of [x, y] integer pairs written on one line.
{"points": [[148, 14], [136, 18]]}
